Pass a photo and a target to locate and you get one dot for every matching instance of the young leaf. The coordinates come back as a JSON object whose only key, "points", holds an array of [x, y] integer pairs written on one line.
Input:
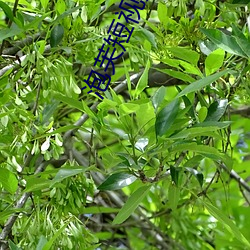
{"points": [[117, 181], [56, 35], [166, 117], [214, 61], [132, 203]]}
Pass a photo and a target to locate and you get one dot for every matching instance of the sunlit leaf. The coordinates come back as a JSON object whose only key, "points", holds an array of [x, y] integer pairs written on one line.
{"points": [[117, 181]]}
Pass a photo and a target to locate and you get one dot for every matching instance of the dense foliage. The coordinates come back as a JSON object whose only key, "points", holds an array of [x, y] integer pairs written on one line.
{"points": [[162, 162]]}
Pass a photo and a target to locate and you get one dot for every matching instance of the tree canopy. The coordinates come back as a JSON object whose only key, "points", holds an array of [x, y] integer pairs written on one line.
{"points": [[124, 124]]}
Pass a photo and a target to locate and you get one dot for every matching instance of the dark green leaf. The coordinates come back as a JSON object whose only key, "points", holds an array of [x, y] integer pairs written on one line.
{"points": [[166, 117], [117, 181], [245, 2], [216, 110], [56, 35], [174, 172]]}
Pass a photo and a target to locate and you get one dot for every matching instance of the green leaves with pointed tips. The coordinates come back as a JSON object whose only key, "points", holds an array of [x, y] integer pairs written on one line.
{"points": [[132, 203], [166, 117], [117, 181], [56, 35]]}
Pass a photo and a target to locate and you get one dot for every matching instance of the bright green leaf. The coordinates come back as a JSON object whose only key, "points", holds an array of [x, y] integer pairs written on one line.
{"points": [[8, 180]]}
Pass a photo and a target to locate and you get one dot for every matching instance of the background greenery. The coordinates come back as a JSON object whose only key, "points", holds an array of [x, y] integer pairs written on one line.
{"points": [[161, 163]]}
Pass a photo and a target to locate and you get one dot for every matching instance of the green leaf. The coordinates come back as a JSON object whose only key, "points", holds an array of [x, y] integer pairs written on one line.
{"points": [[193, 132], [197, 85], [7, 10], [162, 10], [174, 172], [34, 184], [177, 74], [13, 246], [216, 110], [56, 35], [214, 61], [66, 172], [98, 210], [173, 196], [8, 180], [223, 41], [219, 125], [198, 175], [117, 181], [143, 81], [158, 97], [70, 101], [132, 203], [245, 2], [166, 117], [41, 243], [186, 54], [49, 244], [227, 223]]}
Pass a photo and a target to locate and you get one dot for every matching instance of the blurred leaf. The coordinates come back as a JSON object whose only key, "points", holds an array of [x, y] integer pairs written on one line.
{"points": [[131, 204], [7, 10], [8, 180], [49, 244], [228, 224], [216, 110], [56, 35], [173, 196], [117, 181], [13, 246], [198, 175], [143, 81], [41, 243], [166, 117], [245, 2], [98, 210], [34, 183]]}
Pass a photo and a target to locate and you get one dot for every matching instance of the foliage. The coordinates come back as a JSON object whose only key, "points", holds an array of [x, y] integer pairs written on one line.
{"points": [[160, 163]]}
